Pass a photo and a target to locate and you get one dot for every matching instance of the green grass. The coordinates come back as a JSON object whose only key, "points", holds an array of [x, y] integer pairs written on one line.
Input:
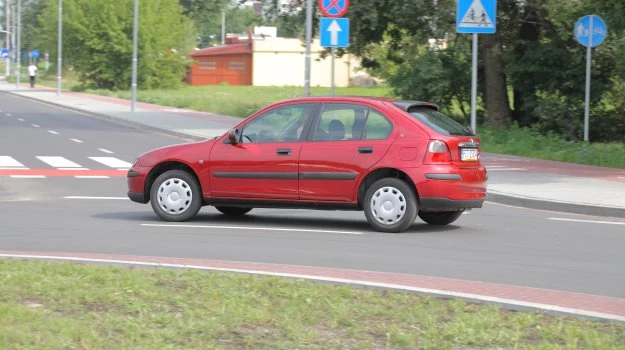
{"points": [[71, 306], [526, 142]]}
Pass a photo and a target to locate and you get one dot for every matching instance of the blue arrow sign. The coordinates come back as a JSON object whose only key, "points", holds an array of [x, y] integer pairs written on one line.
{"points": [[590, 34], [476, 16], [334, 32]]}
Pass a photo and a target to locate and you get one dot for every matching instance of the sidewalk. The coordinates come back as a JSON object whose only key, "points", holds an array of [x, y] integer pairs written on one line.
{"points": [[512, 180]]}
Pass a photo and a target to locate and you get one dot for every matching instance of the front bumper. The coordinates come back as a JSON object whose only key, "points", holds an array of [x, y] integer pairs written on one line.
{"points": [[136, 184]]}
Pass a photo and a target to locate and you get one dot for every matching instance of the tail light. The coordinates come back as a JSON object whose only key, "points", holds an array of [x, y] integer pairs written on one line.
{"points": [[438, 153]]}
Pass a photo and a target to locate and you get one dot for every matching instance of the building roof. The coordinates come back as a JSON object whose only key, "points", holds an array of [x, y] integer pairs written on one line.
{"points": [[231, 49]]}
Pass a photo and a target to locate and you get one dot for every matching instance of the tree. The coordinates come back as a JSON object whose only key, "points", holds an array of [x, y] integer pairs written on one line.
{"points": [[97, 40]]}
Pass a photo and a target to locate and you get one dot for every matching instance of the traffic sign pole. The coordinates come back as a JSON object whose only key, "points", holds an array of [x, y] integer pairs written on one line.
{"points": [[332, 72], [474, 85], [587, 94]]}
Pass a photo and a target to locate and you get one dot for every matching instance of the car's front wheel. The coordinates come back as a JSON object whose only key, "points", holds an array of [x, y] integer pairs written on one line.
{"points": [[439, 217], [390, 205], [233, 211], [176, 196]]}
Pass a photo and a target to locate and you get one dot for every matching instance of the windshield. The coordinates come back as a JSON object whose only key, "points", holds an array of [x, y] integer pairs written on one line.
{"points": [[440, 123]]}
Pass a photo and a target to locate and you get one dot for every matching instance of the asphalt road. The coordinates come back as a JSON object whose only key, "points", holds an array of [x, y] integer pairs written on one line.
{"points": [[496, 244]]}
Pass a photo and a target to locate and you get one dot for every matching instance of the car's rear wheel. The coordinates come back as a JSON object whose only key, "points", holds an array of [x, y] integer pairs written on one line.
{"points": [[439, 217], [176, 196], [234, 211], [390, 205]]}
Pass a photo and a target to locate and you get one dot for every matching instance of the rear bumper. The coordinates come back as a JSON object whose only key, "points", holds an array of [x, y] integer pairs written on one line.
{"points": [[447, 187], [444, 204]]}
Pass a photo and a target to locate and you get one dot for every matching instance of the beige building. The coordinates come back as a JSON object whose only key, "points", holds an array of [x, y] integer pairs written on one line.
{"points": [[270, 61], [280, 62]]}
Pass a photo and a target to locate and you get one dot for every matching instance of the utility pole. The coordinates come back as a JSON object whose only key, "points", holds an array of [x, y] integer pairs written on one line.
{"points": [[135, 49], [59, 55], [308, 40], [19, 41]]}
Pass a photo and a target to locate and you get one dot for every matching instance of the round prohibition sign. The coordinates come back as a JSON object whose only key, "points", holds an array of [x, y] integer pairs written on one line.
{"points": [[333, 8]]}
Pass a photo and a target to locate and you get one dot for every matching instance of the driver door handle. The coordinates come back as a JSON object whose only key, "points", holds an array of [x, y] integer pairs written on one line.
{"points": [[283, 151]]}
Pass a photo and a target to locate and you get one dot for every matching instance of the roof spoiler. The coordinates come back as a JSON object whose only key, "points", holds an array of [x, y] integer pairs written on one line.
{"points": [[408, 106]]}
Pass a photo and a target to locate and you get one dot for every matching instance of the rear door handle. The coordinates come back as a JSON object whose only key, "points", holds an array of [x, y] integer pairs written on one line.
{"points": [[365, 149], [283, 151]]}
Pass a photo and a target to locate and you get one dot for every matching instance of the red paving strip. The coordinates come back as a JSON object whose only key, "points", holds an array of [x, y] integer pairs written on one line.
{"points": [[57, 172], [553, 301]]}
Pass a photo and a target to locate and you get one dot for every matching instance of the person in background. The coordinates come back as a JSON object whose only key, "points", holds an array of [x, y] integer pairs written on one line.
{"points": [[32, 72]]}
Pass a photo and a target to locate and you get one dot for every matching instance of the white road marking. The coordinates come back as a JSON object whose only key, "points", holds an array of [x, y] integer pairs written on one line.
{"points": [[589, 221], [91, 177], [504, 169], [21, 119], [87, 197], [9, 115], [28, 176], [112, 162], [10, 162], [60, 162], [34, 125], [76, 140], [256, 228], [105, 150], [53, 132]]}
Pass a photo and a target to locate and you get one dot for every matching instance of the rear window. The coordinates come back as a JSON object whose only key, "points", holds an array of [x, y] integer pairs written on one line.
{"points": [[440, 123]]}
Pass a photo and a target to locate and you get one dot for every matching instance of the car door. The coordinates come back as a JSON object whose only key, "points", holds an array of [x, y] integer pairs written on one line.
{"points": [[263, 164], [344, 141]]}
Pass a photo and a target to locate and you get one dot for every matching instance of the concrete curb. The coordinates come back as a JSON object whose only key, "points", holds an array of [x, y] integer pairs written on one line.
{"points": [[109, 118], [542, 204]]}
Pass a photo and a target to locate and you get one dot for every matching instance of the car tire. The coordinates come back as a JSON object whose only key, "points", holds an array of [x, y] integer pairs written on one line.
{"points": [[439, 217], [176, 196], [390, 205], [234, 211]]}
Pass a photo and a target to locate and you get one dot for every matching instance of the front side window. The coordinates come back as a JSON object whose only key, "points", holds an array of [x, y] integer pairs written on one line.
{"points": [[281, 124]]}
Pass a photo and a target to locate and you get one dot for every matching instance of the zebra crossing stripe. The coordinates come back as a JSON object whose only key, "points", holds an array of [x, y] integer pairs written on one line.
{"points": [[112, 162], [59, 162], [10, 163]]}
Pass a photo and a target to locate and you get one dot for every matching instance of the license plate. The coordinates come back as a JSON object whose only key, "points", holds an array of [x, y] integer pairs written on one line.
{"points": [[469, 154]]}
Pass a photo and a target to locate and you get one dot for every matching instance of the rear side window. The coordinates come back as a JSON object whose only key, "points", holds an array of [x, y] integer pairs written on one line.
{"points": [[440, 123], [378, 127]]}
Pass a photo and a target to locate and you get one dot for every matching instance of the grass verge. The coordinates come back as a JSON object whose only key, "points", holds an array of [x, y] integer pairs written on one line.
{"points": [[62, 305], [527, 142]]}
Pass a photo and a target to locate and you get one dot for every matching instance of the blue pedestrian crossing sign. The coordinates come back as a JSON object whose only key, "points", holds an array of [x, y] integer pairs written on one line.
{"points": [[590, 30], [334, 32], [476, 16]]}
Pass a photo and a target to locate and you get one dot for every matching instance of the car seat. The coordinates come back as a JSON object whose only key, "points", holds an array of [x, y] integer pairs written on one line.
{"points": [[336, 130]]}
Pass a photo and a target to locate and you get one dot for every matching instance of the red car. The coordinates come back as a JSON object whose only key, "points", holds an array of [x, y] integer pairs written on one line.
{"points": [[393, 159]]}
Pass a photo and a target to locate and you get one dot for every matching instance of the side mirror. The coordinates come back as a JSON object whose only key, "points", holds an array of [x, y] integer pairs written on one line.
{"points": [[233, 136]]}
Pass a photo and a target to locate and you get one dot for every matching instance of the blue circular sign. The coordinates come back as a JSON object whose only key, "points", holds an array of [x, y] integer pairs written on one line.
{"points": [[590, 31], [34, 54], [4, 53]]}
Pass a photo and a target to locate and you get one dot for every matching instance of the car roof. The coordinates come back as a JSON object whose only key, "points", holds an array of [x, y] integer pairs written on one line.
{"points": [[404, 105]]}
